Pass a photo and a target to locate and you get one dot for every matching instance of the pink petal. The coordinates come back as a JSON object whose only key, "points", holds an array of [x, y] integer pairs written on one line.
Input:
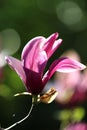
{"points": [[33, 56], [17, 66], [63, 65], [36, 53], [52, 44], [69, 65]]}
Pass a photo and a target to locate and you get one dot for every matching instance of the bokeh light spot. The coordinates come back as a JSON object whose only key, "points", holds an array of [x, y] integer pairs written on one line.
{"points": [[10, 41], [9, 44], [70, 13]]}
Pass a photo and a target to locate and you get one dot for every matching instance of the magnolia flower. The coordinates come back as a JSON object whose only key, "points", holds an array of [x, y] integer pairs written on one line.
{"points": [[31, 69], [34, 58]]}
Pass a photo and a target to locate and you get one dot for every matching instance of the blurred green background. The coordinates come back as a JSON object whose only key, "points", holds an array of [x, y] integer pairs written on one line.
{"points": [[20, 21]]}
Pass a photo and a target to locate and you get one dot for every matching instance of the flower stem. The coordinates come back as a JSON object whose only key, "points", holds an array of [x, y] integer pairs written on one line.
{"points": [[18, 122]]}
